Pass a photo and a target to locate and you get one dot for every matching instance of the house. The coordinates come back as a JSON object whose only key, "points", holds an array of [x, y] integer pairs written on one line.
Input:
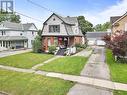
{"points": [[61, 31], [119, 23], [16, 35], [95, 38]]}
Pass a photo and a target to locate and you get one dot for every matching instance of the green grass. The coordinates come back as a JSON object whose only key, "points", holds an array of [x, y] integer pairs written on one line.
{"points": [[16, 83], [68, 65], [118, 71], [25, 60]]}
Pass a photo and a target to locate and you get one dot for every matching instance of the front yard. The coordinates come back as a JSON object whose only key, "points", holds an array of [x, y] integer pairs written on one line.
{"points": [[118, 71], [15, 83], [25, 60], [68, 65]]}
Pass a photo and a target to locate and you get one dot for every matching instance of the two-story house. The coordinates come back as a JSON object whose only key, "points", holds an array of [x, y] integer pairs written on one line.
{"points": [[61, 31], [16, 35], [119, 23]]}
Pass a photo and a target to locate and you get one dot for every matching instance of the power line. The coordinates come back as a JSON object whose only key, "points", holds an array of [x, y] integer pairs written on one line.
{"points": [[47, 9], [28, 16]]}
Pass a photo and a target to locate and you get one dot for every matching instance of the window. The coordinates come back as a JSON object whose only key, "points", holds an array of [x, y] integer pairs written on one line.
{"points": [[20, 34], [32, 32], [54, 28], [3, 33]]}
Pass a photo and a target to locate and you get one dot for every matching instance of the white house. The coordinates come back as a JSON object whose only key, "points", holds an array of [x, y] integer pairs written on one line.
{"points": [[16, 35]]}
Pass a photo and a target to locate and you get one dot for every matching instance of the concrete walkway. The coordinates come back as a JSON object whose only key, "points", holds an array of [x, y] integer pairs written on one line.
{"points": [[97, 69], [9, 53], [90, 83], [45, 62], [85, 53]]}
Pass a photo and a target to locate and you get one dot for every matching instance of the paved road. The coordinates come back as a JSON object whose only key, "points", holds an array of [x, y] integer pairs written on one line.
{"points": [[8, 53], [95, 68]]}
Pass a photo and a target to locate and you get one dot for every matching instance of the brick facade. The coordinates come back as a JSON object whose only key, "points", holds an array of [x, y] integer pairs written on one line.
{"points": [[50, 40]]}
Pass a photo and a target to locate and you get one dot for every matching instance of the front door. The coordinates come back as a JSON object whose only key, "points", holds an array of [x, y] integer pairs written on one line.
{"points": [[63, 41]]}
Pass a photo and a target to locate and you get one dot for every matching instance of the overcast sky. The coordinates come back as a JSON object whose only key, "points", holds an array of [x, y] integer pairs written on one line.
{"points": [[95, 11]]}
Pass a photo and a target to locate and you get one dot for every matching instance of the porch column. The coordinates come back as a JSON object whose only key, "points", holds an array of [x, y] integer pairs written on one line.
{"points": [[2, 44], [68, 41]]}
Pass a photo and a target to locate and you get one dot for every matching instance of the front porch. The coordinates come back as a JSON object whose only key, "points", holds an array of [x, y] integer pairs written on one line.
{"points": [[7, 42], [60, 41]]}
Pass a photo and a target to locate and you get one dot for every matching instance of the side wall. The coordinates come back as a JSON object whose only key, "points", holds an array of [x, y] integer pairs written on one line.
{"points": [[122, 23]]}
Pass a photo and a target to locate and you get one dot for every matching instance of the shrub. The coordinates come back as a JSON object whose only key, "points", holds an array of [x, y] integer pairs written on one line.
{"points": [[117, 43], [52, 49], [36, 45], [81, 46]]}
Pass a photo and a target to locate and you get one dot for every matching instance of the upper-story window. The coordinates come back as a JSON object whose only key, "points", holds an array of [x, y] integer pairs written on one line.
{"points": [[3, 33], [32, 32], [54, 28]]}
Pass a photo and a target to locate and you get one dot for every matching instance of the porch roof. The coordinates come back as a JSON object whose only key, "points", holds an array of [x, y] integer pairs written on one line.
{"points": [[12, 38]]}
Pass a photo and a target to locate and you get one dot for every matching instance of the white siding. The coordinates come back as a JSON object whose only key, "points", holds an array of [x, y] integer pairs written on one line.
{"points": [[28, 34]]}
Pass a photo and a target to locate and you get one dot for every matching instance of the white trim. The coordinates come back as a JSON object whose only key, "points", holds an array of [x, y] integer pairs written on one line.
{"points": [[120, 18]]}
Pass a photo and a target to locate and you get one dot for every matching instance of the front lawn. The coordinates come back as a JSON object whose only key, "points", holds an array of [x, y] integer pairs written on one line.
{"points": [[25, 60], [118, 71], [68, 65], [16, 83]]}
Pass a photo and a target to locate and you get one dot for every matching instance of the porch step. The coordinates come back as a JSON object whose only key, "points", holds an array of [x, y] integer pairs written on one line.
{"points": [[61, 52]]}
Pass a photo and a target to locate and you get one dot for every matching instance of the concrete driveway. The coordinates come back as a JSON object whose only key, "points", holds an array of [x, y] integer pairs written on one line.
{"points": [[8, 53], [95, 68]]}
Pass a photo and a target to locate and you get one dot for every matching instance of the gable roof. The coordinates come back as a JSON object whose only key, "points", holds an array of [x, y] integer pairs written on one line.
{"points": [[12, 38], [6, 25], [27, 26], [118, 18], [113, 19], [66, 20], [68, 23], [95, 35]]}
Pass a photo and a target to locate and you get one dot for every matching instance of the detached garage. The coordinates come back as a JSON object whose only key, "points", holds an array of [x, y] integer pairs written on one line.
{"points": [[94, 38]]}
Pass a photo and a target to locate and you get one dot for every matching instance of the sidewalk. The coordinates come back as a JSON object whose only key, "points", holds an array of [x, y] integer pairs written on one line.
{"points": [[9, 53], [95, 68], [93, 82]]}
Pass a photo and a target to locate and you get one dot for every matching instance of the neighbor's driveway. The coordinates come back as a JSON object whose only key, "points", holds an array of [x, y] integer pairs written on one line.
{"points": [[8, 53], [95, 68]]}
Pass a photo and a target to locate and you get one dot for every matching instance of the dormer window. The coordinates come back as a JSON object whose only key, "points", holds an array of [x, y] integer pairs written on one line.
{"points": [[54, 28]]}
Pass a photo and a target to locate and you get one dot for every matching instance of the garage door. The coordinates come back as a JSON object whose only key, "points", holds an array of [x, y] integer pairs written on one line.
{"points": [[100, 42], [91, 42]]}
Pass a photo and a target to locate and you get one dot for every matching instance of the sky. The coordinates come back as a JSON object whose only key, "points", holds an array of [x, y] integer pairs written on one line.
{"points": [[95, 11]]}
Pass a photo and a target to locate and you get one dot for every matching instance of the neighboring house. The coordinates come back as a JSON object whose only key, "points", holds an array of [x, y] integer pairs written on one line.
{"points": [[119, 23], [61, 31], [16, 35], [95, 38]]}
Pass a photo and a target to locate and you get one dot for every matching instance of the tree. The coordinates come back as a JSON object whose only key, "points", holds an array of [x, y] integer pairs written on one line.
{"points": [[85, 25], [9, 17], [37, 43], [118, 43], [102, 27]]}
